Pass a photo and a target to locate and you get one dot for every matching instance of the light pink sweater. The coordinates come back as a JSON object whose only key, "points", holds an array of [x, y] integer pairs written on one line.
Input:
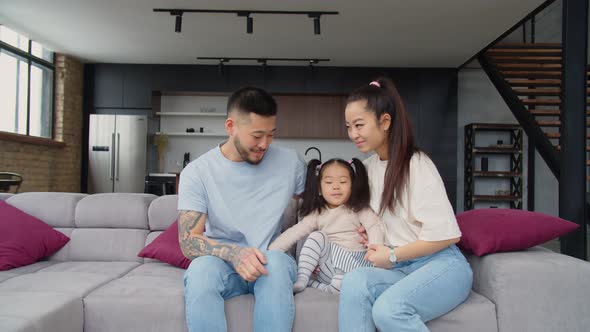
{"points": [[341, 225]]}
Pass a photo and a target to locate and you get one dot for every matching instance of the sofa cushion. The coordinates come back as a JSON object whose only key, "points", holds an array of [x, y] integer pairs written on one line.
{"points": [[318, 311], [63, 254], [77, 278], [166, 248], [115, 210], [78, 283], [499, 230], [5, 275], [40, 312], [158, 300], [111, 269], [535, 289], [5, 196], [163, 212], [477, 313], [158, 270], [150, 238], [56, 209], [88, 244], [25, 239]]}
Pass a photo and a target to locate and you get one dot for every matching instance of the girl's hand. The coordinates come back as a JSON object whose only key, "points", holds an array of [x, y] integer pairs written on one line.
{"points": [[378, 254], [364, 238]]}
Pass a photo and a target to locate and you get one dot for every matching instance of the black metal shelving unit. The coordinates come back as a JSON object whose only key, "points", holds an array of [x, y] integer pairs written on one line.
{"points": [[514, 150]]}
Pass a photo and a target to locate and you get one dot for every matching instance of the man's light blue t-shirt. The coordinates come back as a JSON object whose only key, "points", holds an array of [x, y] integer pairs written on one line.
{"points": [[243, 202]]}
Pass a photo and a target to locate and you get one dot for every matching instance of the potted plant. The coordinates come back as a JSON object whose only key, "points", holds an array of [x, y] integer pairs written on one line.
{"points": [[161, 143]]}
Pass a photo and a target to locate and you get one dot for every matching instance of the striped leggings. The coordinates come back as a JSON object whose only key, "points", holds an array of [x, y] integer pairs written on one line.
{"points": [[333, 262]]}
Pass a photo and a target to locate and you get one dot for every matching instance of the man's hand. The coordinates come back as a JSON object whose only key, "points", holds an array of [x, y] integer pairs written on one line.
{"points": [[249, 263], [364, 238], [378, 254]]}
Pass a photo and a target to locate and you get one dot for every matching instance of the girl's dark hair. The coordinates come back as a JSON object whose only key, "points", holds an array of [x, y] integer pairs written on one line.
{"points": [[385, 99], [359, 196]]}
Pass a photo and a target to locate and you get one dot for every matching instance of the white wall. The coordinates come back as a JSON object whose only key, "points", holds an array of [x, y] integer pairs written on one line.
{"points": [[479, 101], [178, 145]]}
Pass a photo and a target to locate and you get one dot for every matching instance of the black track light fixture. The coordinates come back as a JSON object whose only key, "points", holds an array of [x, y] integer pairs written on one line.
{"points": [[264, 61], [315, 15], [178, 21]]}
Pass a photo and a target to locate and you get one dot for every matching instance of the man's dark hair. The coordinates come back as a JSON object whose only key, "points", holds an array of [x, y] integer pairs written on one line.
{"points": [[252, 100]]}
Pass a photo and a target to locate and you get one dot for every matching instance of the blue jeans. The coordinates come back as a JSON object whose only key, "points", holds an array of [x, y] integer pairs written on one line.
{"points": [[405, 297], [209, 281]]}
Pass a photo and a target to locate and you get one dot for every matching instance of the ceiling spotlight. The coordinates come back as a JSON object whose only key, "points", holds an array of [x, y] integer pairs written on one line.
{"points": [[249, 21], [220, 68], [178, 21], [316, 22], [316, 26], [249, 24]]}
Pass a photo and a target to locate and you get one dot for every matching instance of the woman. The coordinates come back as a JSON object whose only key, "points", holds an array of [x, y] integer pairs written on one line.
{"points": [[422, 275]]}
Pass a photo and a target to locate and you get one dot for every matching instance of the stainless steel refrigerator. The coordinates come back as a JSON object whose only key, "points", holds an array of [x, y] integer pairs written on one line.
{"points": [[117, 153]]}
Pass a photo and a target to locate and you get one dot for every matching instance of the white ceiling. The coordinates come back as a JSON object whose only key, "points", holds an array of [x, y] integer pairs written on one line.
{"points": [[384, 33]]}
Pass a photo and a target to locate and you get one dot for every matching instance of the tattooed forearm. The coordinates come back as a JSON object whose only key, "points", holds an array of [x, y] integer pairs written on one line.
{"points": [[193, 244]]}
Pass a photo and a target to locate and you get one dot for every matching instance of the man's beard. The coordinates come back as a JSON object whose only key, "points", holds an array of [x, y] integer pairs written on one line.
{"points": [[245, 153]]}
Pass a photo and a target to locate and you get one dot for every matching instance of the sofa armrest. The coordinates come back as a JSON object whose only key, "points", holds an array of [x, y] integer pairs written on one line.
{"points": [[535, 289]]}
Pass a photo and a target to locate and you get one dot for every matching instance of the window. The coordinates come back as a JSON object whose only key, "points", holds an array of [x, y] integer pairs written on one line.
{"points": [[26, 85]]}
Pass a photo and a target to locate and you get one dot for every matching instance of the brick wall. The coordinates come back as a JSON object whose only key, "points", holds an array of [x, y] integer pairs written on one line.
{"points": [[51, 167]]}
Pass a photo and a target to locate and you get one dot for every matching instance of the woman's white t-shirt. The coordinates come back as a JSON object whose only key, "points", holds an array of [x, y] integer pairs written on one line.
{"points": [[424, 211]]}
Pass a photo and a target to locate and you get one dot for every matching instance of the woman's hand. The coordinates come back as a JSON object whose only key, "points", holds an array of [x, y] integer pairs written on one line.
{"points": [[378, 254]]}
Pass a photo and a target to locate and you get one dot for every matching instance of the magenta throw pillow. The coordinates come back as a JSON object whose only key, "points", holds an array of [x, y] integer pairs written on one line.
{"points": [[25, 239], [487, 231], [166, 248]]}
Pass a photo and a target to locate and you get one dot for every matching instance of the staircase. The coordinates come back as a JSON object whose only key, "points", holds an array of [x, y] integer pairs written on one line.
{"points": [[529, 78]]}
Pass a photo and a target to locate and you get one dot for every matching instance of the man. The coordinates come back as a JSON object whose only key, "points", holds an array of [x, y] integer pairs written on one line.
{"points": [[231, 200]]}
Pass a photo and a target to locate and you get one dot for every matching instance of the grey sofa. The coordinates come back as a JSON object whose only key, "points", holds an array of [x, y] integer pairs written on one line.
{"points": [[97, 282]]}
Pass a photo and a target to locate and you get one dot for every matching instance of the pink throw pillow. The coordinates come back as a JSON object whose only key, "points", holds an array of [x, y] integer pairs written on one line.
{"points": [[166, 248], [25, 239], [487, 231]]}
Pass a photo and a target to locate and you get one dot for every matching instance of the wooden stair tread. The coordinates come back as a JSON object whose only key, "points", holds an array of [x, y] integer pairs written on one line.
{"points": [[525, 58], [528, 66], [530, 74], [523, 51], [553, 123], [540, 91], [555, 112], [558, 135], [544, 101], [527, 45], [536, 82], [541, 101], [558, 147]]}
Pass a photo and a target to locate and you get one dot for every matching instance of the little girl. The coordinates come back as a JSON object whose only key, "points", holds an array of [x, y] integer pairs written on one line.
{"points": [[335, 205]]}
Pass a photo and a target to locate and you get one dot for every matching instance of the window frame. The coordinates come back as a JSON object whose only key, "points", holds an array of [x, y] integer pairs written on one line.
{"points": [[42, 63]]}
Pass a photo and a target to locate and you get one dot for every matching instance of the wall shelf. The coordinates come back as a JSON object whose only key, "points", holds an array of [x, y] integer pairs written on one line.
{"points": [[495, 150], [513, 175], [495, 198], [195, 134], [212, 114], [488, 174]]}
